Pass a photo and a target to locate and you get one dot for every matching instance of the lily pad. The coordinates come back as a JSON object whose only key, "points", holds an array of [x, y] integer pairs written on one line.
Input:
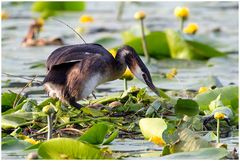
{"points": [[189, 141], [204, 153], [186, 107], [96, 134], [229, 96], [189, 49], [12, 143], [157, 45], [66, 148]]}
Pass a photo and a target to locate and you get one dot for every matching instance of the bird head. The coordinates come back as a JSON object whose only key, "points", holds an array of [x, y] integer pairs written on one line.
{"points": [[137, 67]]}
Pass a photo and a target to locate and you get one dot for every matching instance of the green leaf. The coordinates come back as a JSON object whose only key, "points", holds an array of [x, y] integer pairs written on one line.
{"points": [[48, 9], [154, 107], [8, 99], [204, 50], [210, 136], [91, 111], [34, 146], [111, 137], [157, 45], [189, 49], [96, 134], [11, 143], [58, 6], [66, 148], [179, 48], [189, 141], [47, 102], [186, 107], [152, 127], [229, 95], [17, 119], [204, 153], [215, 103]]}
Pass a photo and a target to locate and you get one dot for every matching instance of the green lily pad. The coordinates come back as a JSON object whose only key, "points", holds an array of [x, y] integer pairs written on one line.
{"points": [[229, 96], [157, 45], [189, 141], [66, 148], [12, 143], [154, 107], [204, 153], [8, 99], [189, 49], [96, 134], [111, 138], [17, 119], [186, 107]]}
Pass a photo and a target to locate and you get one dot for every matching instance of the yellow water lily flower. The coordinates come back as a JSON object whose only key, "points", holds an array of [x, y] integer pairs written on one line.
{"points": [[181, 12], [191, 29], [31, 141], [40, 21], [219, 115], [203, 90], [4, 15], [86, 19], [113, 52], [127, 75], [139, 15], [172, 73], [157, 140]]}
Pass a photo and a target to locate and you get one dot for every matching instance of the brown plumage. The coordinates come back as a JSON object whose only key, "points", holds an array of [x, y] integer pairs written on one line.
{"points": [[74, 71]]}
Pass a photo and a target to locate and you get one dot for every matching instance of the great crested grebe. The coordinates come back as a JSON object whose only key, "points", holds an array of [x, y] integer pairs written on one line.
{"points": [[74, 71]]}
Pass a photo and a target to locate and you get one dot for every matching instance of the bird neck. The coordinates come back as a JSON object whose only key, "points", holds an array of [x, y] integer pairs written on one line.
{"points": [[120, 65]]}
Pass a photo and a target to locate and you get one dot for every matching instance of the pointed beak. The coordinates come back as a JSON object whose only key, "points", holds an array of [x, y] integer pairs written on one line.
{"points": [[150, 84], [138, 68]]}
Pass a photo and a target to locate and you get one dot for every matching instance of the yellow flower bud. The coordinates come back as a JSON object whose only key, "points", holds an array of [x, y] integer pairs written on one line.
{"points": [[191, 29], [140, 15], [40, 21], [203, 90], [127, 75], [4, 15], [86, 19], [172, 73], [113, 52], [181, 12], [219, 115]]}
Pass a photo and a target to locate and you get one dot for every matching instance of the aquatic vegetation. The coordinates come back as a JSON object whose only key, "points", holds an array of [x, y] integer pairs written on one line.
{"points": [[47, 9], [86, 19], [140, 15], [191, 29], [218, 116], [182, 14]]}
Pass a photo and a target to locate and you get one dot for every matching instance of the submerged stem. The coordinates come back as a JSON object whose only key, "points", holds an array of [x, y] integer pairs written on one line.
{"points": [[144, 44]]}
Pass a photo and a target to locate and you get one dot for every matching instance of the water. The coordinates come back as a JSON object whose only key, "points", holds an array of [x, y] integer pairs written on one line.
{"points": [[210, 16]]}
